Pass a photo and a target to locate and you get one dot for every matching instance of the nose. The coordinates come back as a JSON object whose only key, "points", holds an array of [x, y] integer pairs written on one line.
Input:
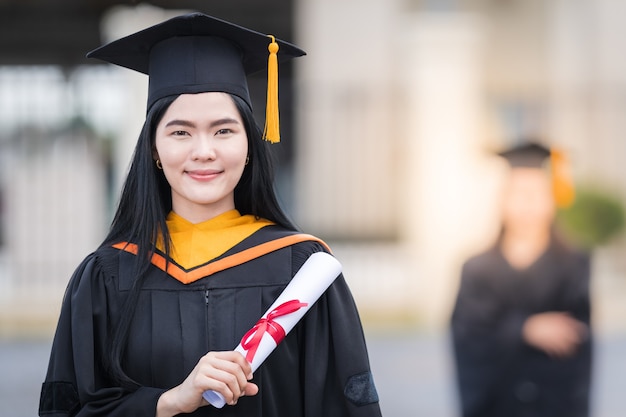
{"points": [[203, 149]]}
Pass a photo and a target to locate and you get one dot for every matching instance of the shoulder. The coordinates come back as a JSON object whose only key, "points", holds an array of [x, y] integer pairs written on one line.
{"points": [[580, 258], [578, 266], [301, 245], [280, 237], [100, 264], [569, 256], [482, 263]]}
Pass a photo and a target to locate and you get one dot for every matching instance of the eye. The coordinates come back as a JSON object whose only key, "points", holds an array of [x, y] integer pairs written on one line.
{"points": [[180, 133], [224, 132]]}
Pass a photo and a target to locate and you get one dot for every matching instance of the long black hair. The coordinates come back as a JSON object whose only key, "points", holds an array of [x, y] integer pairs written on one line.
{"points": [[146, 201]]}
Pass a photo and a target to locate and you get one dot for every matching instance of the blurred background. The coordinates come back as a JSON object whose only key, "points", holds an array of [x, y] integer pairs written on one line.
{"points": [[388, 127]]}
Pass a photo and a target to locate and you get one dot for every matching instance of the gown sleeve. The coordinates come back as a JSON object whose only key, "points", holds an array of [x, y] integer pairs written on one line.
{"points": [[577, 375], [485, 335], [337, 380], [577, 297], [76, 382]]}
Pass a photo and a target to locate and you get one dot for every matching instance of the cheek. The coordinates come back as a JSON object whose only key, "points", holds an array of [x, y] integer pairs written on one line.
{"points": [[517, 205], [528, 208], [172, 158], [238, 152], [545, 208], [168, 154], [511, 210]]}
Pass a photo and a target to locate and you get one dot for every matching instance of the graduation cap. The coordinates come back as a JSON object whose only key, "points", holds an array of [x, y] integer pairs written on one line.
{"points": [[527, 155], [197, 53], [535, 155]]}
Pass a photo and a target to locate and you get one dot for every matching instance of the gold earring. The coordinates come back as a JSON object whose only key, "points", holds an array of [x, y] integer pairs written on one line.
{"points": [[247, 159], [158, 164]]}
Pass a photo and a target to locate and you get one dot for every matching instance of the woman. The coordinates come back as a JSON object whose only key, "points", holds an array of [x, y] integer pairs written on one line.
{"points": [[521, 323], [198, 250]]}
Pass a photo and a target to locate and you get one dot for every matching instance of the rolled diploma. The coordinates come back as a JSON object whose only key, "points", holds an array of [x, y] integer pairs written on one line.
{"points": [[307, 286]]}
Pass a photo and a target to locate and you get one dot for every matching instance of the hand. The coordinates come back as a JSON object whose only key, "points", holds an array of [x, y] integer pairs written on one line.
{"points": [[556, 333], [225, 372]]}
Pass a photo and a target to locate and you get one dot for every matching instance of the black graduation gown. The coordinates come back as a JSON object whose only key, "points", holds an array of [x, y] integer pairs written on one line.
{"points": [[320, 369], [499, 375]]}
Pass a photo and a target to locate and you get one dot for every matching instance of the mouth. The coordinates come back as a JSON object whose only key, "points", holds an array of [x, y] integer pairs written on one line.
{"points": [[204, 174]]}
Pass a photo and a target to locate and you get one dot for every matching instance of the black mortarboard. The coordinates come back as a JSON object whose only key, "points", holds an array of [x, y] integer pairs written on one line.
{"points": [[529, 155], [535, 155], [196, 53]]}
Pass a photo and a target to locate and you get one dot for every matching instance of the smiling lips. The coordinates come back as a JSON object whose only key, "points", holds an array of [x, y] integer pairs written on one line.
{"points": [[204, 174]]}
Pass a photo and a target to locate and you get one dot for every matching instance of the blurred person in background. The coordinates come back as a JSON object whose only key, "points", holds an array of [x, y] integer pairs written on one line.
{"points": [[521, 322], [198, 250]]}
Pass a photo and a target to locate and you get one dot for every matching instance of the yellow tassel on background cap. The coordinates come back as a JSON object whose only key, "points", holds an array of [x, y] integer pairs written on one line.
{"points": [[562, 181], [272, 126]]}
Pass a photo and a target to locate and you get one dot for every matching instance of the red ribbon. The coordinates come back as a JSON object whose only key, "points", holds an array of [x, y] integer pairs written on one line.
{"points": [[252, 339]]}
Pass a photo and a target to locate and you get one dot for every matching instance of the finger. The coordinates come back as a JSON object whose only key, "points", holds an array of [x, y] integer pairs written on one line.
{"points": [[211, 377], [577, 333], [582, 330], [555, 352], [251, 389], [558, 343], [240, 388], [565, 349], [235, 372], [569, 330], [234, 383], [246, 367], [240, 378], [238, 359], [232, 362]]}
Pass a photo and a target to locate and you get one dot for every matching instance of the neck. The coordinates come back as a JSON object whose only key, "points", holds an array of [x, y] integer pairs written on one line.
{"points": [[195, 213], [522, 247], [527, 235]]}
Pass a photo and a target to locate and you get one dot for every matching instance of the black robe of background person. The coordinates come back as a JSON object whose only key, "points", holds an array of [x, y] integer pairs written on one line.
{"points": [[320, 369], [499, 375]]}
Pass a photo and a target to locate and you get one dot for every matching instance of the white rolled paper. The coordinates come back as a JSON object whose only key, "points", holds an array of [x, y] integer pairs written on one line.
{"points": [[306, 287]]}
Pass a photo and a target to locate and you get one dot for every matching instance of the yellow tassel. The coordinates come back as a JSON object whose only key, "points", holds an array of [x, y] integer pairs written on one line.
{"points": [[562, 182], [271, 132]]}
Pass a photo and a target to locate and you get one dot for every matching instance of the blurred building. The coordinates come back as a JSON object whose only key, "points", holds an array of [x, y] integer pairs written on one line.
{"points": [[399, 104], [389, 120]]}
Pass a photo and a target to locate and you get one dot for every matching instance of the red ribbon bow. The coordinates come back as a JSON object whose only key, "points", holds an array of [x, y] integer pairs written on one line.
{"points": [[252, 339]]}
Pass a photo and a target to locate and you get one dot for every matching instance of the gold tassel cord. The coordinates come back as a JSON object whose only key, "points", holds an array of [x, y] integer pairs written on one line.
{"points": [[271, 132], [562, 181]]}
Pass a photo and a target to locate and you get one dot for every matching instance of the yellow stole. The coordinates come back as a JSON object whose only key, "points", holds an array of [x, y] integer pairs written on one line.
{"points": [[199, 243]]}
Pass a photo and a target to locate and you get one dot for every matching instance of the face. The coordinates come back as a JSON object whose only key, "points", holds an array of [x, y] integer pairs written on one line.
{"points": [[202, 145], [528, 202]]}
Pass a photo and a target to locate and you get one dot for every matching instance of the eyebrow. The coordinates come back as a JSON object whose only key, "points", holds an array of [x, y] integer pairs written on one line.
{"points": [[218, 122]]}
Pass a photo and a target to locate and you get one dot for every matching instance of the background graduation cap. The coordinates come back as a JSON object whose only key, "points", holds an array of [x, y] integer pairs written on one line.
{"points": [[535, 155], [197, 53]]}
